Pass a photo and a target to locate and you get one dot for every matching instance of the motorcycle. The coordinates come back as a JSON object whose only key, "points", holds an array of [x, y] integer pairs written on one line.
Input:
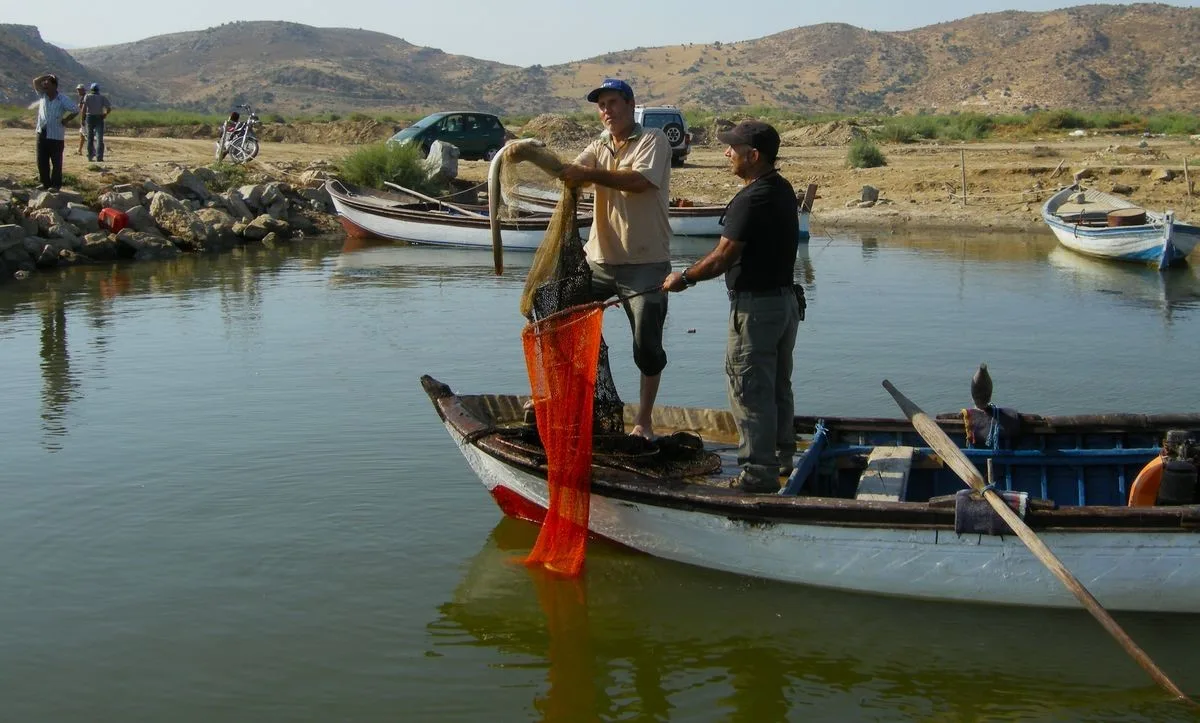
{"points": [[237, 137]]}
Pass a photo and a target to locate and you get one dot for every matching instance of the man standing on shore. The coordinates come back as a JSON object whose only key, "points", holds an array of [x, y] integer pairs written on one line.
{"points": [[629, 245], [81, 92], [53, 110], [757, 253], [96, 107]]}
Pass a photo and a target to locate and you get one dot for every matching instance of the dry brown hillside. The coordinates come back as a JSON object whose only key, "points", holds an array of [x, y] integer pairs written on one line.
{"points": [[1137, 57], [24, 55]]}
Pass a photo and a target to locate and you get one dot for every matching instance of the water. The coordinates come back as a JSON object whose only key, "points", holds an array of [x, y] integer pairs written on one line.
{"points": [[226, 498]]}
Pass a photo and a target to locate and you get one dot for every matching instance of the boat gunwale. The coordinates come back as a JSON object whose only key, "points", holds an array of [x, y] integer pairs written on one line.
{"points": [[620, 484]]}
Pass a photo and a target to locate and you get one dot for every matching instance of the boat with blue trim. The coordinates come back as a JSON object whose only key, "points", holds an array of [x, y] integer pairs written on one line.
{"points": [[1105, 226], [870, 507]]}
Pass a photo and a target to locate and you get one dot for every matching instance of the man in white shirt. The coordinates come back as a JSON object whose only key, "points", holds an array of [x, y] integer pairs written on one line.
{"points": [[54, 109]]}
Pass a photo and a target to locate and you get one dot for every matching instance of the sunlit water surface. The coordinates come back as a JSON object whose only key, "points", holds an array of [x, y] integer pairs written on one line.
{"points": [[225, 497]]}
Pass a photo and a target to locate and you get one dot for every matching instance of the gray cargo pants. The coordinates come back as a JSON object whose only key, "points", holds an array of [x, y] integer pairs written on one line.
{"points": [[758, 363]]}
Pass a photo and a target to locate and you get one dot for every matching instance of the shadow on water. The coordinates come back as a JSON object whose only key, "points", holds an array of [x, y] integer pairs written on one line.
{"points": [[642, 638]]}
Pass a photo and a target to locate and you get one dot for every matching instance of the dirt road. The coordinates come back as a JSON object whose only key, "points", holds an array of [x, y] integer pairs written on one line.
{"points": [[920, 186]]}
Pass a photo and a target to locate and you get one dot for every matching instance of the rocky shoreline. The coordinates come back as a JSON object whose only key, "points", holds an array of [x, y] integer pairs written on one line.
{"points": [[189, 210]]}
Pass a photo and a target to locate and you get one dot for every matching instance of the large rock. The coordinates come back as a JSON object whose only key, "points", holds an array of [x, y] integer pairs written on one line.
{"points": [[220, 227], [187, 183], [207, 175], [120, 200], [64, 237], [141, 220], [272, 193], [317, 199], [237, 205], [99, 246], [84, 219], [257, 229], [147, 246], [252, 195], [11, 235], [182, 225], [45, 219], [45, 199]]}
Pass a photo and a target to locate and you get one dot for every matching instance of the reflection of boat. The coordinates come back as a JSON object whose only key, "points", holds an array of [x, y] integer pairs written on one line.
{"points": [[642, 626], [836, 526], [1100, 224], [1136, 285], [406, 216], [686, 218]]}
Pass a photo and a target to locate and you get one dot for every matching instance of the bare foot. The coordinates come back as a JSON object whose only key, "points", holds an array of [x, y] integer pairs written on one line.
{"points": [[644, 431]]}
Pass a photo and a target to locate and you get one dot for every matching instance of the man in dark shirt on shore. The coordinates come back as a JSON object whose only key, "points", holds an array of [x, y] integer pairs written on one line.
{"points": [[757, 253]]}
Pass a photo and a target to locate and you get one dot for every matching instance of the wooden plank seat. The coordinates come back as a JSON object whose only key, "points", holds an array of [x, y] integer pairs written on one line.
{"points": [[885, 478]]}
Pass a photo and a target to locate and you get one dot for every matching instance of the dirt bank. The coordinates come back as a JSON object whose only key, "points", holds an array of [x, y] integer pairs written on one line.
{"points": [[920, 186]]}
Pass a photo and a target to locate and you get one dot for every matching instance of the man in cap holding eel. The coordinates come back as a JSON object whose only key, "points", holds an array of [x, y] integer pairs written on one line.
{"points": [[629, 244], [757, 253]]}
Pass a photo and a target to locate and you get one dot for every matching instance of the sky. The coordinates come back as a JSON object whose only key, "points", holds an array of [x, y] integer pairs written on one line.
{"points": [[517, 32]]}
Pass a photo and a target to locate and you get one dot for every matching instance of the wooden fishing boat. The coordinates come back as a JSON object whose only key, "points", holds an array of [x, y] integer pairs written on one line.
{"points": [[405, 215], [871, 508], [1105, 226], [686, 218]]}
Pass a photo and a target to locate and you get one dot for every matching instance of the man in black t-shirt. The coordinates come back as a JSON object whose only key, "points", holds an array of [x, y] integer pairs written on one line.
{"points": [[757, 253]]}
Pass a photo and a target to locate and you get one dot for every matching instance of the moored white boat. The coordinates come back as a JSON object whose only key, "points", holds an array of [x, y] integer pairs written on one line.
{"points": [[1082, 218], [686, 220], [827, 532], [402, 217]]}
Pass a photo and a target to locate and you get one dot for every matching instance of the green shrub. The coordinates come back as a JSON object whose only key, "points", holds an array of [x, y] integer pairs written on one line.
{"points": [[865, 154], [399, 163], [229, 175], [1173, 124]]}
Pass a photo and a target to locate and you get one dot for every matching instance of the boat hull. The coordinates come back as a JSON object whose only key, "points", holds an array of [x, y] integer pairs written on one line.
{"points": [[1143, 570], [1142, 243], [363, 215]]}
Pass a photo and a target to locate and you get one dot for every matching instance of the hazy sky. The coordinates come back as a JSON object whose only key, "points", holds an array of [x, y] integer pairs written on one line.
{"points": [[520, 32]]}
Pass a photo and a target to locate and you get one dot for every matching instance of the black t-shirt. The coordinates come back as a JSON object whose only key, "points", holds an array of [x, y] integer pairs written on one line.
{"points": [[763, 217]]}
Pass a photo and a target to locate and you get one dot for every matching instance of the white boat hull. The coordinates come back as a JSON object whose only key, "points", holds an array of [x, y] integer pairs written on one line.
{"points": [[1137, 243], [1141, 243], [1146, 571], [435, 233], [708, 225]]}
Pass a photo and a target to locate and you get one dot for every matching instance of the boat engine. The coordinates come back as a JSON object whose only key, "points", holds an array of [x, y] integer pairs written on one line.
{"points": [[1181, 457]]}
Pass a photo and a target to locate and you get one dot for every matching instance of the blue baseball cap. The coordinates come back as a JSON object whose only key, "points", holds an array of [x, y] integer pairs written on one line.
{"points": [[611, 84]]}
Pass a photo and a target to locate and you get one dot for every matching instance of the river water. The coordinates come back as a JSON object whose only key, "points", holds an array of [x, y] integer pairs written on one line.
{"points": [[224, 496]]}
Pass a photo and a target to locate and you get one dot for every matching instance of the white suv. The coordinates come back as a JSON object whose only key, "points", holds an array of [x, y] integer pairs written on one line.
{"points": [[670, 121]]}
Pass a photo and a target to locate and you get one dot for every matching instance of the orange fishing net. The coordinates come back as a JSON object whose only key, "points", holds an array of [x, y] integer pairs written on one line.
{"points": [[561, 353]]}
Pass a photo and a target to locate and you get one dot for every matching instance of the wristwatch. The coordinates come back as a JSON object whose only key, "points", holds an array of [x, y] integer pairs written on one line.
{"points": [[686, 280]]}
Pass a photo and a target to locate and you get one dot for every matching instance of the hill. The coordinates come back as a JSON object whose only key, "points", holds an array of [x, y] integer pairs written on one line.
{"points": [[1092, 57], [24, 56], [292, 68]]}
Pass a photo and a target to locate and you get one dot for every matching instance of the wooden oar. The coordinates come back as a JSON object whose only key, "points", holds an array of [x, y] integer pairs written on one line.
{"points": [[464, 211], [957, 461]]}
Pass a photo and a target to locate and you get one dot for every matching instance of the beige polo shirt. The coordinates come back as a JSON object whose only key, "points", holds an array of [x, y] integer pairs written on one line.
{"points": [[631, 228]]}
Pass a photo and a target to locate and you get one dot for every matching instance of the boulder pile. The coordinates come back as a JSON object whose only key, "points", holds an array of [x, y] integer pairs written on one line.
{"points": [[40, 229]]}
